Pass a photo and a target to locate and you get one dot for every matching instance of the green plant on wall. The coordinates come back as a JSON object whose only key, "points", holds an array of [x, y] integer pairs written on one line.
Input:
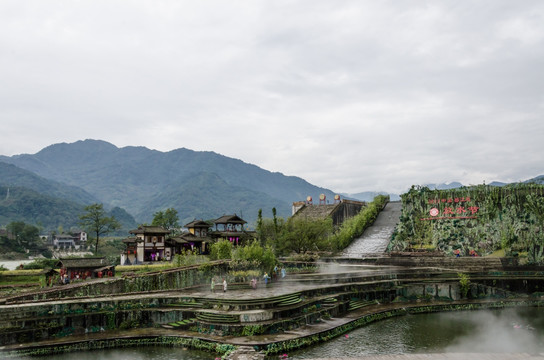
{"points": [[481, 218], [464, 284]]}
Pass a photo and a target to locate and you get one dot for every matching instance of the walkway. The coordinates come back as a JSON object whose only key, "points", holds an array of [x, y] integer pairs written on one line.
{"points": [[375, 239]]}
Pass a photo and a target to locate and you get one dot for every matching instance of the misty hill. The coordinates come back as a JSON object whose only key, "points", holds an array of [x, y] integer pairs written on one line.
{"points": [[444, 186], [455, 185], [368, 196], [32, 207], [11, 175], [536, 180], [143, 181], [46, 211]]}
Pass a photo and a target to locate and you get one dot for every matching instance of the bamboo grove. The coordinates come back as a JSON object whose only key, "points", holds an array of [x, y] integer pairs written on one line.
{"points": [[476, 220]]}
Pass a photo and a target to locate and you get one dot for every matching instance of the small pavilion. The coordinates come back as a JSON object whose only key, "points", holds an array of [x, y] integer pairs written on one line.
{"points": [[83, 268], [231, 227]]}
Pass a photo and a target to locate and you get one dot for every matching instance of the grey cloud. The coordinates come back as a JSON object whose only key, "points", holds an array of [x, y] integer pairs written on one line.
{"points": [[353, 96]]}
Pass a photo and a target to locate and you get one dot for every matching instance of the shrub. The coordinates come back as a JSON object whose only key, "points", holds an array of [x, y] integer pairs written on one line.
{"points": [[221, 250], [464, 283]]}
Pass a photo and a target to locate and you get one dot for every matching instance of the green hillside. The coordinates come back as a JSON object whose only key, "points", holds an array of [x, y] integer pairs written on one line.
{"points": [[143, 181], [11, 175], [48, 212], [481, 218], [208, 196], [31, 207]]}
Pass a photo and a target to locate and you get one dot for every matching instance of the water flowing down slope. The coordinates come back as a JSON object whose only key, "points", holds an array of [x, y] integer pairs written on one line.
{"points": [[376, 238]]}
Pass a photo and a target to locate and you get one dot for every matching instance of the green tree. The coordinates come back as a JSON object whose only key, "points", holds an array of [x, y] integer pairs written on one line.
{"points": [[301, 235], [259, 229], [95, 221], [275, 220], [272, 232], [167, 219], [26, 235], [221, 250], [255, 254], [535, 207]]}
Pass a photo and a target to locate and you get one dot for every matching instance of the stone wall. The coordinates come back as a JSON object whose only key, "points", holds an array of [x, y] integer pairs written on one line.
{"points": [[173, 279]]}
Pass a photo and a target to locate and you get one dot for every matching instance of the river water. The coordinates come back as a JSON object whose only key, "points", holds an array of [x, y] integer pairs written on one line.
{"points": [[518, 330], [13, 264]]}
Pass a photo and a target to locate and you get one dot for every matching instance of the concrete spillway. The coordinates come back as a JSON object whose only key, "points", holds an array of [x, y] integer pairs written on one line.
{"points": [[375, 239]]}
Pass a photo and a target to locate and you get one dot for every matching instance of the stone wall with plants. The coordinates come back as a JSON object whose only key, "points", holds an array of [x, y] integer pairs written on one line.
{"points": [[356, 225], [475, 220], [173, 279]]}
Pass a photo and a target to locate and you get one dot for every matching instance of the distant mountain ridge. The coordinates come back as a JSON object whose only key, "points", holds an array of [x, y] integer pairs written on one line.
{"points": [[143, 181], [199, 185], [11, 175], [369, 195]]}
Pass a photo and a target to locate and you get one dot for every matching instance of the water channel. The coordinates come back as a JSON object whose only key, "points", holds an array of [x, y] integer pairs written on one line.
{"points": [[518, 330], [376, 238]]}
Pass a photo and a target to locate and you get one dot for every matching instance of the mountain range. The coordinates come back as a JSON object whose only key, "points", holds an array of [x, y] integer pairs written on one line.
{"points": [[199, 185], [50, 188]]}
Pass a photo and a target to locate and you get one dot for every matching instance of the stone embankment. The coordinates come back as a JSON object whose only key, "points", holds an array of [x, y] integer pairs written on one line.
{"points": [[174, 308], [298, 311]]}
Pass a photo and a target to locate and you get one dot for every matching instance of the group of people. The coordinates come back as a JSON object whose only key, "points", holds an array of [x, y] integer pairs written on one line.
{"points": [[253, 281], [274, 277], [472, 253], [224, 284], [267, 277]]}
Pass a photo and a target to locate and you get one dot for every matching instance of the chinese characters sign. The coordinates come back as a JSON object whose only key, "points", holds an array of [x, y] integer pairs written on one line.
{"points": [[452, 208]]}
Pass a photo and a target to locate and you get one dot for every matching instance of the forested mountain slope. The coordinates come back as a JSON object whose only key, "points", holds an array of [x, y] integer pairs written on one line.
{"points": [[143, 181]]}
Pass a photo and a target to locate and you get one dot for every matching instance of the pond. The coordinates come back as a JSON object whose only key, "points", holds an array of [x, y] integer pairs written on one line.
{"points": [[518, 330]]}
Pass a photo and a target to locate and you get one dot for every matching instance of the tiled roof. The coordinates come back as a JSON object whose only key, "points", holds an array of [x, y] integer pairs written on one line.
{"points": [[197, 223], [189, 238], [150, 230], [131, 240], [230, 219], [83, 262], [316, 212]]}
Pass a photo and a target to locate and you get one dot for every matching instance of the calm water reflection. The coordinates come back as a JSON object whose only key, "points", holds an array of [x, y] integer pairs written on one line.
{"points": [[505, 331]]}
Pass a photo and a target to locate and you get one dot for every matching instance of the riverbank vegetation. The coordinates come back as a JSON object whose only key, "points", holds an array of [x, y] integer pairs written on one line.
{"points": [[302, 235], [19, 240]]}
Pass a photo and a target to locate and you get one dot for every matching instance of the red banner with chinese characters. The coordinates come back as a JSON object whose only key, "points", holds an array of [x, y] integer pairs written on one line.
{"points": [[452, 209]]}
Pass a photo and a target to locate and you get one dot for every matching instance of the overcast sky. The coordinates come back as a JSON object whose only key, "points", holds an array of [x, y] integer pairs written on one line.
{"points": [[349, 95]]}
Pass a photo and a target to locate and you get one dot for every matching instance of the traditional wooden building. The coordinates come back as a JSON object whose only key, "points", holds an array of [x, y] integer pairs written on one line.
{"points": [[153, 243], [82, 268], [147, 245], [195, 239], [231, 227]]}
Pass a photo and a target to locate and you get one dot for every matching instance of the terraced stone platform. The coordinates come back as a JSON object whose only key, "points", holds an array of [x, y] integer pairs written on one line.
{"points": [[300, 306]]}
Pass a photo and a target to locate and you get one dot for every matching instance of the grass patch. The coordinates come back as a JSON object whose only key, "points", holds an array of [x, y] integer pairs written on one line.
{"points": [[497, 253]]}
